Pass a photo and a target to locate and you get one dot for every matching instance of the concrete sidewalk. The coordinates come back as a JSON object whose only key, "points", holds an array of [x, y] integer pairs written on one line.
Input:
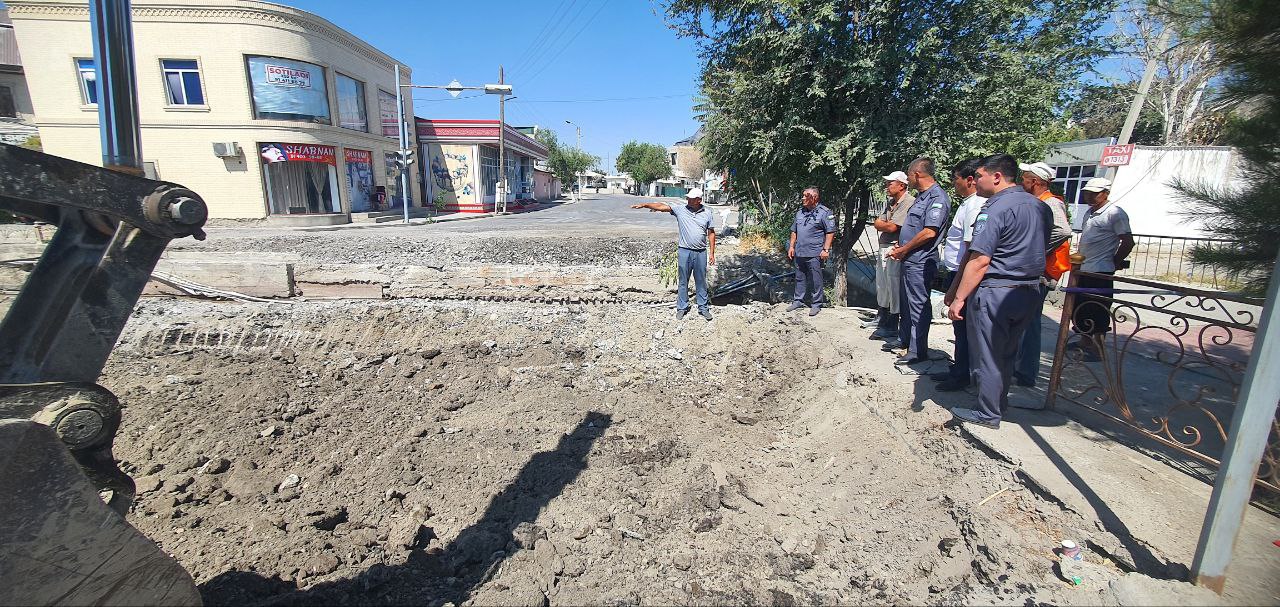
{"points": [[418, 221], [1155, 510]]}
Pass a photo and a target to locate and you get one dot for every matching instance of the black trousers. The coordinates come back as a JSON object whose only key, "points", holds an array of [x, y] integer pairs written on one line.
{"points": [[1092, 313]]}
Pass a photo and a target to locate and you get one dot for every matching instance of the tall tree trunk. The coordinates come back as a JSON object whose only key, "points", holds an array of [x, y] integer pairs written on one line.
{"points": [[852, 226]]}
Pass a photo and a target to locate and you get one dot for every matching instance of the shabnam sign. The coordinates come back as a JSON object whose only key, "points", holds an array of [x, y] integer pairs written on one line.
{"points": [[1117, 155]]}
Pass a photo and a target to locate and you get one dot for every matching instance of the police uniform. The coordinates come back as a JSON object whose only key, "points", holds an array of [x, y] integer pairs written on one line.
{"points": [[930, 210], [811, 228], [1012, 229]]}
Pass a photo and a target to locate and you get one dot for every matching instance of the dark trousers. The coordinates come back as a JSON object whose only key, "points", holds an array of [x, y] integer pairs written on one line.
{"points": [[913, 328], [997, 318], [809, 281], [1028, 369], [1092, 313], [959, 368]]}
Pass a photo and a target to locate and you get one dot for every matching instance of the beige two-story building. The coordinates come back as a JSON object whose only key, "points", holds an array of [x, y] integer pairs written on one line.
{"points": [[267, 111]]}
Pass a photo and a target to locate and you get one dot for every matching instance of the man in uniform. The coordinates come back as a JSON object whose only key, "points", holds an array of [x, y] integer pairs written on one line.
{"points": [[811, 233], [888, 270], [1105, 244], [1001, 282], [697, 248], [1036, 178], [919, 257], [956, 377]]}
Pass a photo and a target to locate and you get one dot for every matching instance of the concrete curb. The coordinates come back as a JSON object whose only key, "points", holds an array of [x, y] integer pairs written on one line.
{"points": [[416, 221]]}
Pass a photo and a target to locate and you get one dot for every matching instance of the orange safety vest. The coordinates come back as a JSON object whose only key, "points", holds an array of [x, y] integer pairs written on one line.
{"points": [[1059, 261]]}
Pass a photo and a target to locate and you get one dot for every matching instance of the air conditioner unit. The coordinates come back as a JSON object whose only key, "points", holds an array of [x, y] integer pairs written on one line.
{"points": [[228, 149]]}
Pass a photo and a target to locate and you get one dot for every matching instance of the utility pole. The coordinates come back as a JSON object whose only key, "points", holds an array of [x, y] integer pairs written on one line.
{"points": [[578, 177], [117, 80], [404, 145], [502, 144], [1144, 86]]}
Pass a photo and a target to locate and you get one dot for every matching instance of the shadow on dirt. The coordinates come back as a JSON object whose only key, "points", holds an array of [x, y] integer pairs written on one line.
{"points": [[448, 574]]}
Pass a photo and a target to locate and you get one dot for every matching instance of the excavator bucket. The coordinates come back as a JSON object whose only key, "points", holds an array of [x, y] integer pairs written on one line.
{"points": [[60, 544]]}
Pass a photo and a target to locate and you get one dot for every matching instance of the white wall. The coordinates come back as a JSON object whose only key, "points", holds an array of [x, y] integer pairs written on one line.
{"points": [[1142, 188]]}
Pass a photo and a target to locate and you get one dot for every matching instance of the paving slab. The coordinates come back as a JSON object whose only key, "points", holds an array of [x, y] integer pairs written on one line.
{"points": [[1133, 496]]}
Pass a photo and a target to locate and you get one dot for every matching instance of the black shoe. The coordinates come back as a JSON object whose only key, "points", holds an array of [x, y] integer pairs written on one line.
{"points": [[940, 376], [970, 416], [680, 314], [705, 314], [1024, 382], [795, 305], [907, 360], [890, 346], [884, 334], [952, 385], [814, 310]]}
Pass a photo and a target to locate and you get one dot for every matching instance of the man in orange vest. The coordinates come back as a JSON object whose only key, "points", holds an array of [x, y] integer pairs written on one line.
{"points": [[1036, 178]]}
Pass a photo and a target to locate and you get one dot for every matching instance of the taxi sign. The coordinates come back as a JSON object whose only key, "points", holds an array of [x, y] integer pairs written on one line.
{"points": [[1117, 155]]}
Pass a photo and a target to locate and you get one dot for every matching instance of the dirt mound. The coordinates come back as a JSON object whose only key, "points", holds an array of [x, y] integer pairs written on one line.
{"points": [[415, 453]]}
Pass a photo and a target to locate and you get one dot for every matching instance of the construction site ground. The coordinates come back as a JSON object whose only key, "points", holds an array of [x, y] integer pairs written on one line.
{"points": [[506, 411]]}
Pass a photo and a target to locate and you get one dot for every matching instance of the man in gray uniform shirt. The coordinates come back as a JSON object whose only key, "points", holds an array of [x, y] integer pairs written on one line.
{"points": [[998, 290], [811, 233], [919, 256], [697, 248]]}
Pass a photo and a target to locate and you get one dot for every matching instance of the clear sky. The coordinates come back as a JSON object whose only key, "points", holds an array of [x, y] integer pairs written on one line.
{"points": [[561, 56]]}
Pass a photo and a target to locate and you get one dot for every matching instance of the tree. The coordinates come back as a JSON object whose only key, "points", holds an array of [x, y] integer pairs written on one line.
{"points": [[566, 162], [646, 162], [689, 163], [836, 93], [1244, 31]]}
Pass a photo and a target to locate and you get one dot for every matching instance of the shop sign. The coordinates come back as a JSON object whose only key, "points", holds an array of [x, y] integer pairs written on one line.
{"points": [[358, 156], [280, 75], [1117, 155], [296, 152]]}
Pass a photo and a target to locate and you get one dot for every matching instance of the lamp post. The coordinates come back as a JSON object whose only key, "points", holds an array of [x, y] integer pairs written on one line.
{"points": [[578, 177], [501, 89]]}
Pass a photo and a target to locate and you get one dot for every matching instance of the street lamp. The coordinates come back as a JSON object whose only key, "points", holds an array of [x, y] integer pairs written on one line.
{"points": [[501, 89], [579, 129]]}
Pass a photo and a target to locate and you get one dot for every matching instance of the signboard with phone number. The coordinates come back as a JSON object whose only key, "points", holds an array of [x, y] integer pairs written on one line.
{"points": [[1117, 155]]}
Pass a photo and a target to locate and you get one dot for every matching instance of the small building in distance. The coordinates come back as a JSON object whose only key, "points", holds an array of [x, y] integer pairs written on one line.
{"points": [[460, 164]]}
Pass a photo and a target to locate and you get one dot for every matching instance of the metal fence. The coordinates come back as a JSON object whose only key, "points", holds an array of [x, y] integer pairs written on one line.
{"points": [[1168, 368], [1168, 259]]}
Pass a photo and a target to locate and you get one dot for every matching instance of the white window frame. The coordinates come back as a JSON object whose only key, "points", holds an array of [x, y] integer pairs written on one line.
{"points": [[199, 71], [83, 84]]}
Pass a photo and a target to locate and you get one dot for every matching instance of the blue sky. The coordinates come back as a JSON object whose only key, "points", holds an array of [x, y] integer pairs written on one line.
{"points": [[560, 55]]}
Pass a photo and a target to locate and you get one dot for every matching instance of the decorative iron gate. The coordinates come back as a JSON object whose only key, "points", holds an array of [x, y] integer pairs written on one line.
{"points": [[1164, 361]]}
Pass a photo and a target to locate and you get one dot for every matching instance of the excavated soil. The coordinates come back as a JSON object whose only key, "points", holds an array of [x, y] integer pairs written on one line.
{"points": [[429, 453]]}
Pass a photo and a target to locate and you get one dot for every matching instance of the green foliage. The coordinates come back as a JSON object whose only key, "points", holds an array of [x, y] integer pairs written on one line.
{"points": [[836, 93], [1101, 109], [565, 161], [32, 143], [669, 268], [646, 162], [1245, 32]]}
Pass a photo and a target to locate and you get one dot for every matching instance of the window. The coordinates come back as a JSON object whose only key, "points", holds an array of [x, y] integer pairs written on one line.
{"points": [[673, 159], [182, 81], [301, 178], [284, 89], [351, 113], [88, 75], [1067, 184], [488, 171], [7, 108]]}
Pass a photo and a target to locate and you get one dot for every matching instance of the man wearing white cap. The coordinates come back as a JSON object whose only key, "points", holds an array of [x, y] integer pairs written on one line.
{"points": [[697, 248], [1105, 243], [888, 270], [1036, 178]]}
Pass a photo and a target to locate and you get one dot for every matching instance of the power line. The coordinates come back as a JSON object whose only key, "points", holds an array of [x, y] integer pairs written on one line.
{"points": [[604, 100], [551, 37], [544, 35], [570, 42]]}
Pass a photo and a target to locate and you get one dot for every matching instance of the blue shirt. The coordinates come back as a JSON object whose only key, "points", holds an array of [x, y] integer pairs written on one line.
{"points": [[1013, 230], [694, 226], [930, 210], [811, 228]]}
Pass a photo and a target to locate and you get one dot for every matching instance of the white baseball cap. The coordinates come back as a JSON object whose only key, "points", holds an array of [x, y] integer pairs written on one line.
{"points": [[694, 193], [896, 176], [1039, 169], [1097, 184]]}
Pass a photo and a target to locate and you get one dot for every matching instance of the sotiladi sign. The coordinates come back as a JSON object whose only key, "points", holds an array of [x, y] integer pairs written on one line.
{"points": [[280, 75]]}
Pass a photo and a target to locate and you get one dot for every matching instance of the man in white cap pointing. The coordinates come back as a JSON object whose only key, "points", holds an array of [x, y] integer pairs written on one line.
{"points": [[697, 248]]}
